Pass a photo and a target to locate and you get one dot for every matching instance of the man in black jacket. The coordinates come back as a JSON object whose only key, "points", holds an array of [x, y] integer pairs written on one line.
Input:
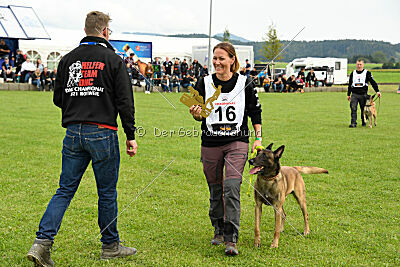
{"points": [[311, 78], [358, 89], [92, 88], [45, 78], [184, 67], [19, 59], [196, 68]]}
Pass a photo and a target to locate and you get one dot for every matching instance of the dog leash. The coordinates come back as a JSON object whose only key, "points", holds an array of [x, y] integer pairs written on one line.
{"points": [[253, 155], [379, 106]]}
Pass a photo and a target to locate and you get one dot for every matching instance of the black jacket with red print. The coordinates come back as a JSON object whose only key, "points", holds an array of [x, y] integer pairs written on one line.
{"points": [[93, 85]]}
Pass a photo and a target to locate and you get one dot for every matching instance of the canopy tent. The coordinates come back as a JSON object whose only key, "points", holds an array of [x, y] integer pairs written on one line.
{"points": [[19, 22], [64, 40]]}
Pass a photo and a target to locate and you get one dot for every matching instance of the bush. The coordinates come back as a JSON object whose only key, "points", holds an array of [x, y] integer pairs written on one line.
{"points": [[388, 66]]}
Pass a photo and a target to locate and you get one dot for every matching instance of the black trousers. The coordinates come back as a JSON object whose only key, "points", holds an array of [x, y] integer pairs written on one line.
{"points": [[356, 100]]}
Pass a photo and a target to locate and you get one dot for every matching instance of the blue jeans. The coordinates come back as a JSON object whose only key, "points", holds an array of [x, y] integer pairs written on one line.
{"points": [[148, 84], [172, 85], [278, 87], [84, 143], [186, 85], [37, 83], [164, 87]]}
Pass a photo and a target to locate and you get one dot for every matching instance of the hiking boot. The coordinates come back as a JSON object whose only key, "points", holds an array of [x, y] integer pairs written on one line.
{"points": [[116, 250], [364, 124], [231, 249], [352, 126], [40, 253], [217, 240]]}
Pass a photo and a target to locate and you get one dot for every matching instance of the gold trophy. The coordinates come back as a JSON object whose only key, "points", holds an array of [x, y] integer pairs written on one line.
{"points": [[194, 99]]}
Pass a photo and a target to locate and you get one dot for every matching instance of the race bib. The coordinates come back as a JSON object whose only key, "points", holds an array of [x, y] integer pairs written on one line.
{"points": [[227, 115]]}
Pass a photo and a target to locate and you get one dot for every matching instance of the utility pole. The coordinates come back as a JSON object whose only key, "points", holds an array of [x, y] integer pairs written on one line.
{"points": [[209, 41]]}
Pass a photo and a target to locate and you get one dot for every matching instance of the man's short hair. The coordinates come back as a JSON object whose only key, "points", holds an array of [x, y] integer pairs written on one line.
{"points": [[360, 60], [95, 22]]}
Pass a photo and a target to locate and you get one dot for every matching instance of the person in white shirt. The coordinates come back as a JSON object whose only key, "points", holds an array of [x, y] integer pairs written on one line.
{"points": [[27, 69]]}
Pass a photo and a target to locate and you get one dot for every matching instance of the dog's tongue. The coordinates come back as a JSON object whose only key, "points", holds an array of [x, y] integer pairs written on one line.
{"points": [[254, 170]]}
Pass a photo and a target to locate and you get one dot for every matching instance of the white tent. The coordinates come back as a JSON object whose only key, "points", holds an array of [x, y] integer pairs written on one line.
{"points": [[63, 41]]}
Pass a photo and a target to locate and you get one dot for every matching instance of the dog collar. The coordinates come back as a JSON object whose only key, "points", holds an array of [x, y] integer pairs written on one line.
{"points": [[271, 178]]}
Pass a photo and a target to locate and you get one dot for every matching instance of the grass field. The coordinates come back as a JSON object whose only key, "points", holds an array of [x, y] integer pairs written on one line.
{"points": [[368, 66], [354, 210], [380, 75]]}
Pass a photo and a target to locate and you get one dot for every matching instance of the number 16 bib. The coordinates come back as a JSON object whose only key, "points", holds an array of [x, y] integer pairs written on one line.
{"points": [[227, 116]]}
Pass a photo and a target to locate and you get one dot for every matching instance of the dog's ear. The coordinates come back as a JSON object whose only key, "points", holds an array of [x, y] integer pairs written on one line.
{"points": [[278, 153], [269, 147]]}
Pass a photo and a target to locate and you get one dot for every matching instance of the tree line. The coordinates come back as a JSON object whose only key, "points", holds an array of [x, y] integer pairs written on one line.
{"points": [[369, 50]]}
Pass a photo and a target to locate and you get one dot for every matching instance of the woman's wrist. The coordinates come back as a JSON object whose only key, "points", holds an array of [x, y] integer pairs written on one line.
{"points": [[259, 138], [197, 117]]}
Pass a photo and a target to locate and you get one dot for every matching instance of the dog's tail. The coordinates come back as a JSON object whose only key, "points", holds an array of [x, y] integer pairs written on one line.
{"points": [[310, 170]]}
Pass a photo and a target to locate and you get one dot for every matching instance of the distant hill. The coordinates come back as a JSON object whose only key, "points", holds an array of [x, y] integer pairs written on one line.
{"points": [[145, 33], [232, 37], [350, 49], [190, 35], [332, 48]]}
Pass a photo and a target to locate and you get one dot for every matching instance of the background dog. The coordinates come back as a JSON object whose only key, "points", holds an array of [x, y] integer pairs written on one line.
{"points": [[370, 110], [272, 186]]}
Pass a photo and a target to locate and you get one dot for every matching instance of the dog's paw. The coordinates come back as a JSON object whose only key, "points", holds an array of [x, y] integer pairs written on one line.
{"points": [[306, 232], [257, 243], [273, 245], [370, 126]]}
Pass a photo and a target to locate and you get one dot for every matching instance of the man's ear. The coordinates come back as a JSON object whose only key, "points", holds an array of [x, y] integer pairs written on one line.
{"points": [[278, 153], [269, 147]]}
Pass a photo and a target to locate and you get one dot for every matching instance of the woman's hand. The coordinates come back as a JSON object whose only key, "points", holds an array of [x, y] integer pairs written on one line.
{"points": [[195, 110], [256, 144]]}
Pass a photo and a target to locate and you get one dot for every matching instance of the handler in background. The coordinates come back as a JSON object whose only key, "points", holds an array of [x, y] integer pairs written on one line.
{"points": [[358, 89], [92, 87], [225, 141]]}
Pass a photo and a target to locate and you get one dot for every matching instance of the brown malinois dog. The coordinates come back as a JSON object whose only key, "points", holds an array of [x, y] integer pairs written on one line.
{"points": [[370, 110], [272, 186]]}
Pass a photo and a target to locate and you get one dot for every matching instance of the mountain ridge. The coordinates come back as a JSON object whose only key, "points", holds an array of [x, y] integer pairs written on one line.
{"points": [[344, 48]]}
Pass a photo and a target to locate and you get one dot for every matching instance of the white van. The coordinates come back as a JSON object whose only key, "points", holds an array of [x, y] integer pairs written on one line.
{"points": [[327, 70]]}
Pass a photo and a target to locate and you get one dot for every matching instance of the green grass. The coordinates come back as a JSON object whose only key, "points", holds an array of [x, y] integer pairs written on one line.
{"points": [[354, 210], [368, 66], [386, 76], [380, 75], [384, 88]]}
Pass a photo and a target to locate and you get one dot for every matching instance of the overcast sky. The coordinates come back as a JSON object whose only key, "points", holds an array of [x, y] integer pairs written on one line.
{"points": [[324, 20]]}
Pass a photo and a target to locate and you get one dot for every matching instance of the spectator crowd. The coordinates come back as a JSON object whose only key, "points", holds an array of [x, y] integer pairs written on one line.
{"points": [[22, 70], [282, 83], [171, 76]]}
